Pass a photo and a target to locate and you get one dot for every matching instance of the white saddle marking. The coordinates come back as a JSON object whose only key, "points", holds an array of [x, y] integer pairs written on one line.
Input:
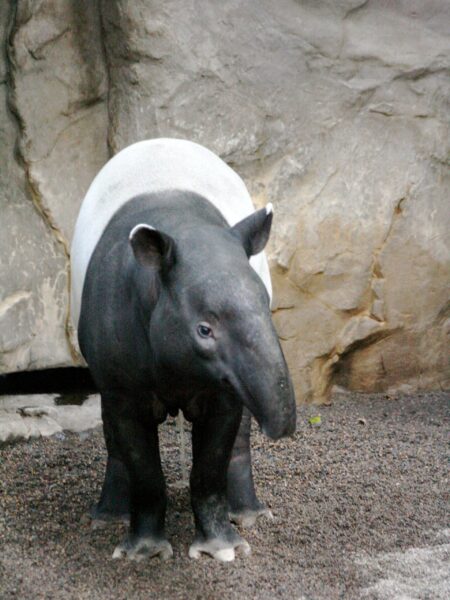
{"points": [[155, 166]]}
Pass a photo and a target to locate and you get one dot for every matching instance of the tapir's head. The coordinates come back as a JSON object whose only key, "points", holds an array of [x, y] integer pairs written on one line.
{"points": [[211, 326]]}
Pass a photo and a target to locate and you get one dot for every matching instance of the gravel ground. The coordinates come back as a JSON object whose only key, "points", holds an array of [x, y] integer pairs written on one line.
{"points": [[360, 511]]}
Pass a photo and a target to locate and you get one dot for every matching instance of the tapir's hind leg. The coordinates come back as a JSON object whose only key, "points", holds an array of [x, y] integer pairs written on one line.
{"points": [[114, 502], [243, 503]]}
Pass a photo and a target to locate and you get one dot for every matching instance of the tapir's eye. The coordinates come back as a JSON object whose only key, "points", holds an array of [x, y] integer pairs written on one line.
{"points": [[204, 330]]}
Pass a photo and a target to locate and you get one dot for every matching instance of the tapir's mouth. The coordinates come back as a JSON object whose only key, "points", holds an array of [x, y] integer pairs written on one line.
{"points": [[273, 426], [234, 384], [275, 432]]}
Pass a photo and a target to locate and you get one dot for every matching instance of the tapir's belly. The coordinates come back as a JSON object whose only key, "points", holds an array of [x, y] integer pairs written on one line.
{"points": [[156, 166]]}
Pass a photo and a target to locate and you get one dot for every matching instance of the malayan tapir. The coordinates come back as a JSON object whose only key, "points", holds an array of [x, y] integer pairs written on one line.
{"points": [[172, 315]]}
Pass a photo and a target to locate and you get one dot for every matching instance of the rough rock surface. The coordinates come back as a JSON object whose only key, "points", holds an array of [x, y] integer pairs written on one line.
{"points": [[337, 112], [52, 126]]}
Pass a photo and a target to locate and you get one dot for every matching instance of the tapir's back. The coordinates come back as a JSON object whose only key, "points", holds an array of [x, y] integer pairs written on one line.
{"points": [[155, 166]]}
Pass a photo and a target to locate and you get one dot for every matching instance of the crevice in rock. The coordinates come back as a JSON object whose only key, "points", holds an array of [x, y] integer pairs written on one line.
{"points": [[32, 186], [376, 270], [322, 377], [82, 104], [355, 9], [332, 368], [282, 308], [421, 72], [392, 115], [36, 54], [48, 381], [341, 368], [307, 293], [353, 312], [57, 140], [324, 185], [106, 61], [12, 300]]}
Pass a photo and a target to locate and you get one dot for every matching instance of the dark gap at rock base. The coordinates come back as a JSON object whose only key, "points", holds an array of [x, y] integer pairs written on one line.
{"points": [[73, 384]]}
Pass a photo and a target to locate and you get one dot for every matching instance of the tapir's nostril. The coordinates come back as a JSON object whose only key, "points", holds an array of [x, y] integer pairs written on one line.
{"points": [[283, 384]]}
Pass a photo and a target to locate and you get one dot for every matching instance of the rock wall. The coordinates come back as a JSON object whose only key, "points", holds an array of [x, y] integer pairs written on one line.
{"points": [[53, 121], [335, 111]]}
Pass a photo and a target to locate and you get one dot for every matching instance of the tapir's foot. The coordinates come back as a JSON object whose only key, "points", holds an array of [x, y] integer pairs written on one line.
{"points": [[247, 517], [113, 505], [220, 548], [142, 548], [101, 517]]}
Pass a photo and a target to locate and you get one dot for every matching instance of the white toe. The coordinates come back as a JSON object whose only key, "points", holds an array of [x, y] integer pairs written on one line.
{"points": [[219, 549], [119, 552], [245, 547], [194, 552], [166, 552], [225, 555]]}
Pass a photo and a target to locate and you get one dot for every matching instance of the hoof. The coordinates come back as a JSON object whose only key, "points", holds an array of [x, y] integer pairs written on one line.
{"points": [[142, 549], [219, 549], [247, 518]]}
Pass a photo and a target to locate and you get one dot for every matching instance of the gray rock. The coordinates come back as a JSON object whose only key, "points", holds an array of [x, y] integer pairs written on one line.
{"points": [[14, 427], [25, 417]]}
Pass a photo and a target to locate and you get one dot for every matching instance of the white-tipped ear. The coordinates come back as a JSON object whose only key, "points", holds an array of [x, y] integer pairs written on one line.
{"points": [[269, 208], [137, 227], [253, 231], [151, 247]]}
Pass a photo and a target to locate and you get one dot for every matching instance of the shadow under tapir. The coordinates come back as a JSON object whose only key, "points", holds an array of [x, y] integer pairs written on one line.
{"points": [[172, 315]]}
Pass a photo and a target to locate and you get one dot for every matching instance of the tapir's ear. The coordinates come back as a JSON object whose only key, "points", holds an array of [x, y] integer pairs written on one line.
{"points": [[151, 247], [254, 230]]}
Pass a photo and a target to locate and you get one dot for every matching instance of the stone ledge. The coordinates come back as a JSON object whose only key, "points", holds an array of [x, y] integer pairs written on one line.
{"points": [[34, 416]]}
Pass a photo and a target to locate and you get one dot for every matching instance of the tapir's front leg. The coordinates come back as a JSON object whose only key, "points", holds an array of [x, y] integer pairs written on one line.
{"points": [[136, 434], [114, 503], [212, 441], [243, 503]]}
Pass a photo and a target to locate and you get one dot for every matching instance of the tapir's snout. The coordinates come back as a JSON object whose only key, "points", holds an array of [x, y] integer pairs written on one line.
{"points": [[281, 420], [269, 395], [257, 370]]}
